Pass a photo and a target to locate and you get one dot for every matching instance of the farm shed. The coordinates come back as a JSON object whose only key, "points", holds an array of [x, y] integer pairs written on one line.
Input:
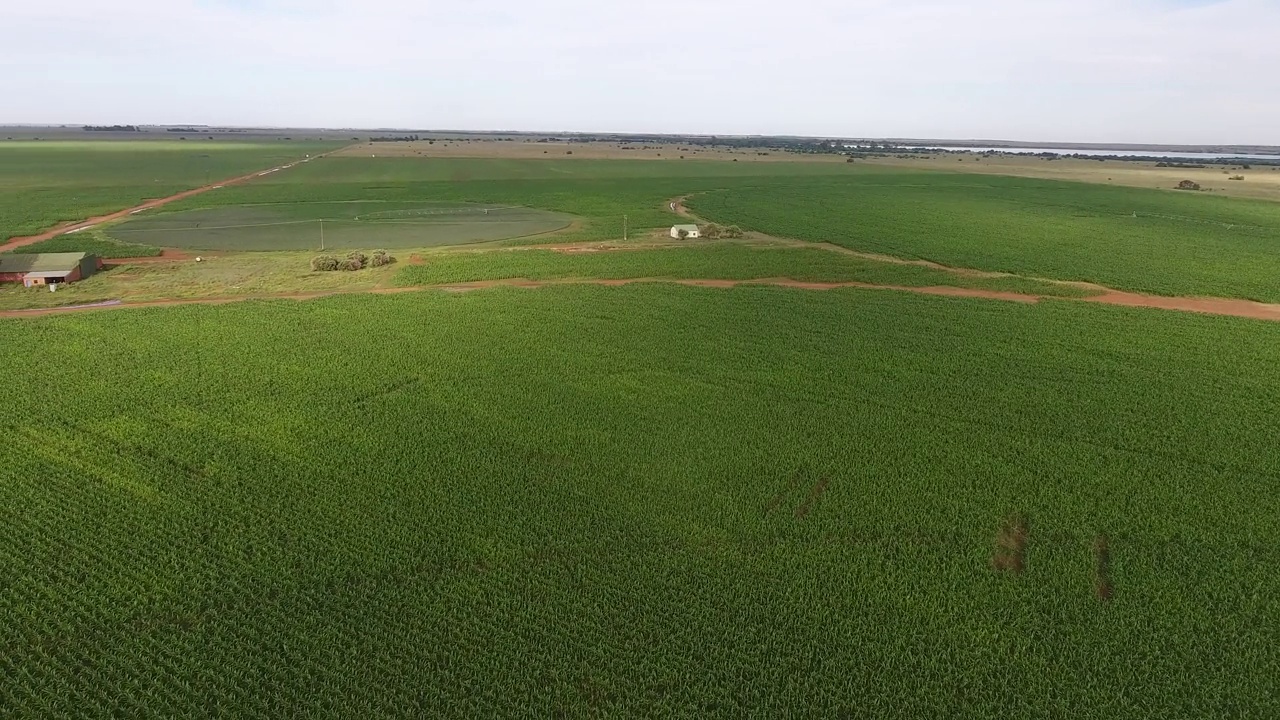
{"points": [[47, 268], [692, 231]]}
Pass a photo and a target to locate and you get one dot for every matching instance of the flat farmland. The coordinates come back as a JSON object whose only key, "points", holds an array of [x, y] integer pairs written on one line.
{"points": [[605, 493], [1255, 181], [531, 149], [749, 501], [1162, 242], [336, 226], [45, 183], [1146, 240]]}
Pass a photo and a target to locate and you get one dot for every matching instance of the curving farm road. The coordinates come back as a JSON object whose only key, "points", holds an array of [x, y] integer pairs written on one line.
{"points": [[1210, 306]]}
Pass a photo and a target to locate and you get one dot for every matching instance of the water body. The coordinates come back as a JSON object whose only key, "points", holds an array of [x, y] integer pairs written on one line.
{"points": [[1172, 154]]}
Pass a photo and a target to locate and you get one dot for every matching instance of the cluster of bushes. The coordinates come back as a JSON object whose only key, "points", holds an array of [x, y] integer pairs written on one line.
{"points": [[353, 261], [1188, 185], [712, 231]]}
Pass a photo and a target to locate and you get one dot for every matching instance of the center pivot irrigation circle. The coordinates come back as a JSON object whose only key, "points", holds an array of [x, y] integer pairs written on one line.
{"points": [[337, 225]]}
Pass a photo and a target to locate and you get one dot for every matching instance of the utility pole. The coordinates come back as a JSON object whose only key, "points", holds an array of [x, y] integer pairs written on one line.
{"points": [[321, 234], [624, 228]]}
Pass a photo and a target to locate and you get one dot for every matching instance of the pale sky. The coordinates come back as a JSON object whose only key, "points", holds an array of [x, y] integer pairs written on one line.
{"points": [[1164, 71]]}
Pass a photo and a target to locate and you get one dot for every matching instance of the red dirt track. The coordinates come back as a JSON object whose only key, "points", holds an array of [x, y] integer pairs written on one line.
{"points": [[1212, 306]]}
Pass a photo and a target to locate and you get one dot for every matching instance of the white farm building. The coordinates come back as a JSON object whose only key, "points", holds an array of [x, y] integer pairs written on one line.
{"points": [[691, 231]]}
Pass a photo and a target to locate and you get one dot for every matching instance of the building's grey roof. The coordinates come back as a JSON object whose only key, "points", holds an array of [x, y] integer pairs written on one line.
{"points": [[688, 228], [62, 263], [48, 273]]}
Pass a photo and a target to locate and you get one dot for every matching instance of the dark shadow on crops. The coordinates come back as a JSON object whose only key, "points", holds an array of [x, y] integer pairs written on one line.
{"points": [[777, 499], [814, 495]]}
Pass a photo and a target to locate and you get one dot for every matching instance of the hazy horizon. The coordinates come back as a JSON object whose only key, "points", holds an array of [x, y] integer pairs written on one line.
{"points": [[1142, 72]]}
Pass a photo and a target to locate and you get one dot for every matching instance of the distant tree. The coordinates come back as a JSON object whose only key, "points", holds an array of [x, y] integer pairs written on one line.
{"points": [[380, 258], [733, 232], [358, 259], [712, 231], [682, 234], [1188, 185]]}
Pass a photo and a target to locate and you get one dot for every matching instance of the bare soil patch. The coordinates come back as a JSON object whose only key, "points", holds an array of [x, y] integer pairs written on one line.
{"points": [[1010, 554], [1211, 306]]}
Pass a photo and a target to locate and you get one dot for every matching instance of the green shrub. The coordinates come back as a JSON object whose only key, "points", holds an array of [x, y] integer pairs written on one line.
{"points": [[324, 263]]}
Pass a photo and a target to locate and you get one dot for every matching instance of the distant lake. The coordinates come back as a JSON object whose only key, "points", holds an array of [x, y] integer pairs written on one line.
{"points": [[1173, 154]]}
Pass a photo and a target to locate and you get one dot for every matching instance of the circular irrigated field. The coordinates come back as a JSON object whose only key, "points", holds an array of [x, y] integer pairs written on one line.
{"points": [[345, 226]]}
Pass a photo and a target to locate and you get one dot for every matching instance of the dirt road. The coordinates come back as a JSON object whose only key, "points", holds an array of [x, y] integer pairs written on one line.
{"points": [[677, 205], [121, 214], [1210, 306]]}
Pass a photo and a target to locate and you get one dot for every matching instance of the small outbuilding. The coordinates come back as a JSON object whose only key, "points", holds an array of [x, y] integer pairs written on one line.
{"points": [[47, 268], [690, 231]]}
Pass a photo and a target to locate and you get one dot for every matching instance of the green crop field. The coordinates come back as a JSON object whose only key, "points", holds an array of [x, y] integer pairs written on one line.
{"points": [[725, 261], [339, 225], [45, 183], [90, 241], [1162, 242], [648, 501], [1166, 242]]}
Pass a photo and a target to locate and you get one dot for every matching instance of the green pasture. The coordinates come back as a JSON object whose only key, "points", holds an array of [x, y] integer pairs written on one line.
{"points": [[641, 501], [336, 225], [45, 183]]}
